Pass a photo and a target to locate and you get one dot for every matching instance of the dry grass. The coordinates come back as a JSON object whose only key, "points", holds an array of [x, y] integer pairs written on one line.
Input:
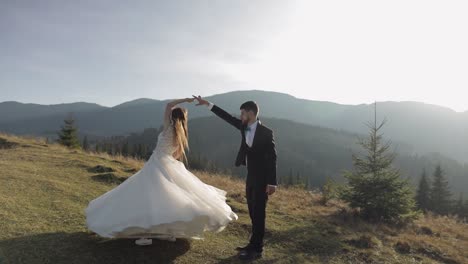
{"points": [[44, 189]]}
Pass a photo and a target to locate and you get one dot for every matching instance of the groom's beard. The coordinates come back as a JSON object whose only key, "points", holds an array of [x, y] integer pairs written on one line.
{"points": [[246, 122]]}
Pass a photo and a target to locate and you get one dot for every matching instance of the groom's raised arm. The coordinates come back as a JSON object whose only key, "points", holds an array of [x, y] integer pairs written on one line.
{"points": [[234, 121]]}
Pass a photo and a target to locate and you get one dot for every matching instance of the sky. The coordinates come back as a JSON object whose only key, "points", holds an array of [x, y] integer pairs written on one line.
{"points": [[349, 52]]}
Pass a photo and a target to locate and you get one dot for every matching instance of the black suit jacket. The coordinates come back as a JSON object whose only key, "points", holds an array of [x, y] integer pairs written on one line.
{"points": [[261, 157]]}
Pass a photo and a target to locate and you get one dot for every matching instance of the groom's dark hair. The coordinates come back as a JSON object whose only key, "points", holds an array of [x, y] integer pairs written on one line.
{"points": [[250, 106]]}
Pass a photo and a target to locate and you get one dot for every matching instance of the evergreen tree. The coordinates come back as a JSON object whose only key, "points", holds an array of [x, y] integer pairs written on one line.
{"points": [[440, 192], [374, 186], [464, 213], [125, 149], [85, 143], [68, 135], [290, 179], [118, 149], [108, 147], [423, 193], [329, 189], [460, 206], [141, 151]]}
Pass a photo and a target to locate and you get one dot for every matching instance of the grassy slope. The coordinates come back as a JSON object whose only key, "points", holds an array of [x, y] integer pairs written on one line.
{"points": [[44, 189]]}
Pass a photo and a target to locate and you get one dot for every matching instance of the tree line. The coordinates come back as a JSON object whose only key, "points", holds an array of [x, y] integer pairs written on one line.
{"points": [[433, 194], [373, 186]]}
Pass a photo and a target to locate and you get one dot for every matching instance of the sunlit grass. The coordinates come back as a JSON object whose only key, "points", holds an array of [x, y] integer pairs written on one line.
{"points": [[44, 189]]}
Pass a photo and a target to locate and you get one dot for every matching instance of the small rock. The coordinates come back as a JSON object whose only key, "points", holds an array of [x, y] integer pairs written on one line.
{"points": [[426, 230], [366, 241], [5, 144], [101, 169], [108, 178], [403, 247]]}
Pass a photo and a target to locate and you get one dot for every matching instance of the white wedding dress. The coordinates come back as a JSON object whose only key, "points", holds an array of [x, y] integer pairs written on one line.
{"points": [[162, 199]]}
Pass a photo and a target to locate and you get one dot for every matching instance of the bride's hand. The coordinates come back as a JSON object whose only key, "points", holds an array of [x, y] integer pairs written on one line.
{"points": [[200, 100]]}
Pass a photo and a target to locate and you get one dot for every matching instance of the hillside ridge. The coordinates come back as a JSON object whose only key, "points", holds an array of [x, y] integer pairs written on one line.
{"points": [[45, 187]]}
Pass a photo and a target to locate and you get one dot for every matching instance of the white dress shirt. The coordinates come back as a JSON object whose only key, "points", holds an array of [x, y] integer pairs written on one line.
{"points": [[249, 134]]}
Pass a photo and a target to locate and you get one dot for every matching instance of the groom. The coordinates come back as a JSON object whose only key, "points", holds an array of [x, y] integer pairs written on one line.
{"points": [[257, 152]]}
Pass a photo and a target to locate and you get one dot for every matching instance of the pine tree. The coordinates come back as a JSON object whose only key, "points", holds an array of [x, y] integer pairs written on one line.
{"points": [[104, 148], [329, 189], [85, 143], [68, 135], [125, 149], [465, 210], [460, 206], [290, 179], [141, 151], [118, 149], [440, 192], [108, 148], [423, 193], [374, 186]]}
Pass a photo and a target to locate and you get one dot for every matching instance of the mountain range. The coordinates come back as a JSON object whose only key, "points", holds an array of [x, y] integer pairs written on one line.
{"points": [[424, 127]]}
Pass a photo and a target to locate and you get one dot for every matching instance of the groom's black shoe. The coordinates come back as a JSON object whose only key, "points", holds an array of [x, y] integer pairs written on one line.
{"points": [[250, 254]]}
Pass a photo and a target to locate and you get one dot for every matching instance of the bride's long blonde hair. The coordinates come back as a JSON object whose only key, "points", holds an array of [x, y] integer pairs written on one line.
{"points": [[179, 121]]}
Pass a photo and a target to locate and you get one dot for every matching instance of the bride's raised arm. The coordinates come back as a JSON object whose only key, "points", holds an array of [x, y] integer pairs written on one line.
{"points": [[170, 105]]}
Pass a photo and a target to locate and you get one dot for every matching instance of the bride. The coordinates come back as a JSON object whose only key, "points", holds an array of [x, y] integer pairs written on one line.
{"points": [[163, 200]]}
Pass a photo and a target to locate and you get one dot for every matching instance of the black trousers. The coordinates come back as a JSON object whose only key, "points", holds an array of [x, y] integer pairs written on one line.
{"points": [[256, 200]]}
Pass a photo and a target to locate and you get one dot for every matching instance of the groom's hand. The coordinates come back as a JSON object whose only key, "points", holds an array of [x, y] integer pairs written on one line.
{"points": [[270, 189], [200, 100]]}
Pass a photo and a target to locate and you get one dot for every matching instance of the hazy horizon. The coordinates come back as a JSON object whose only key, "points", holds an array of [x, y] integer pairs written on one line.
{"points": [[208, 95], [110, 52]]}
